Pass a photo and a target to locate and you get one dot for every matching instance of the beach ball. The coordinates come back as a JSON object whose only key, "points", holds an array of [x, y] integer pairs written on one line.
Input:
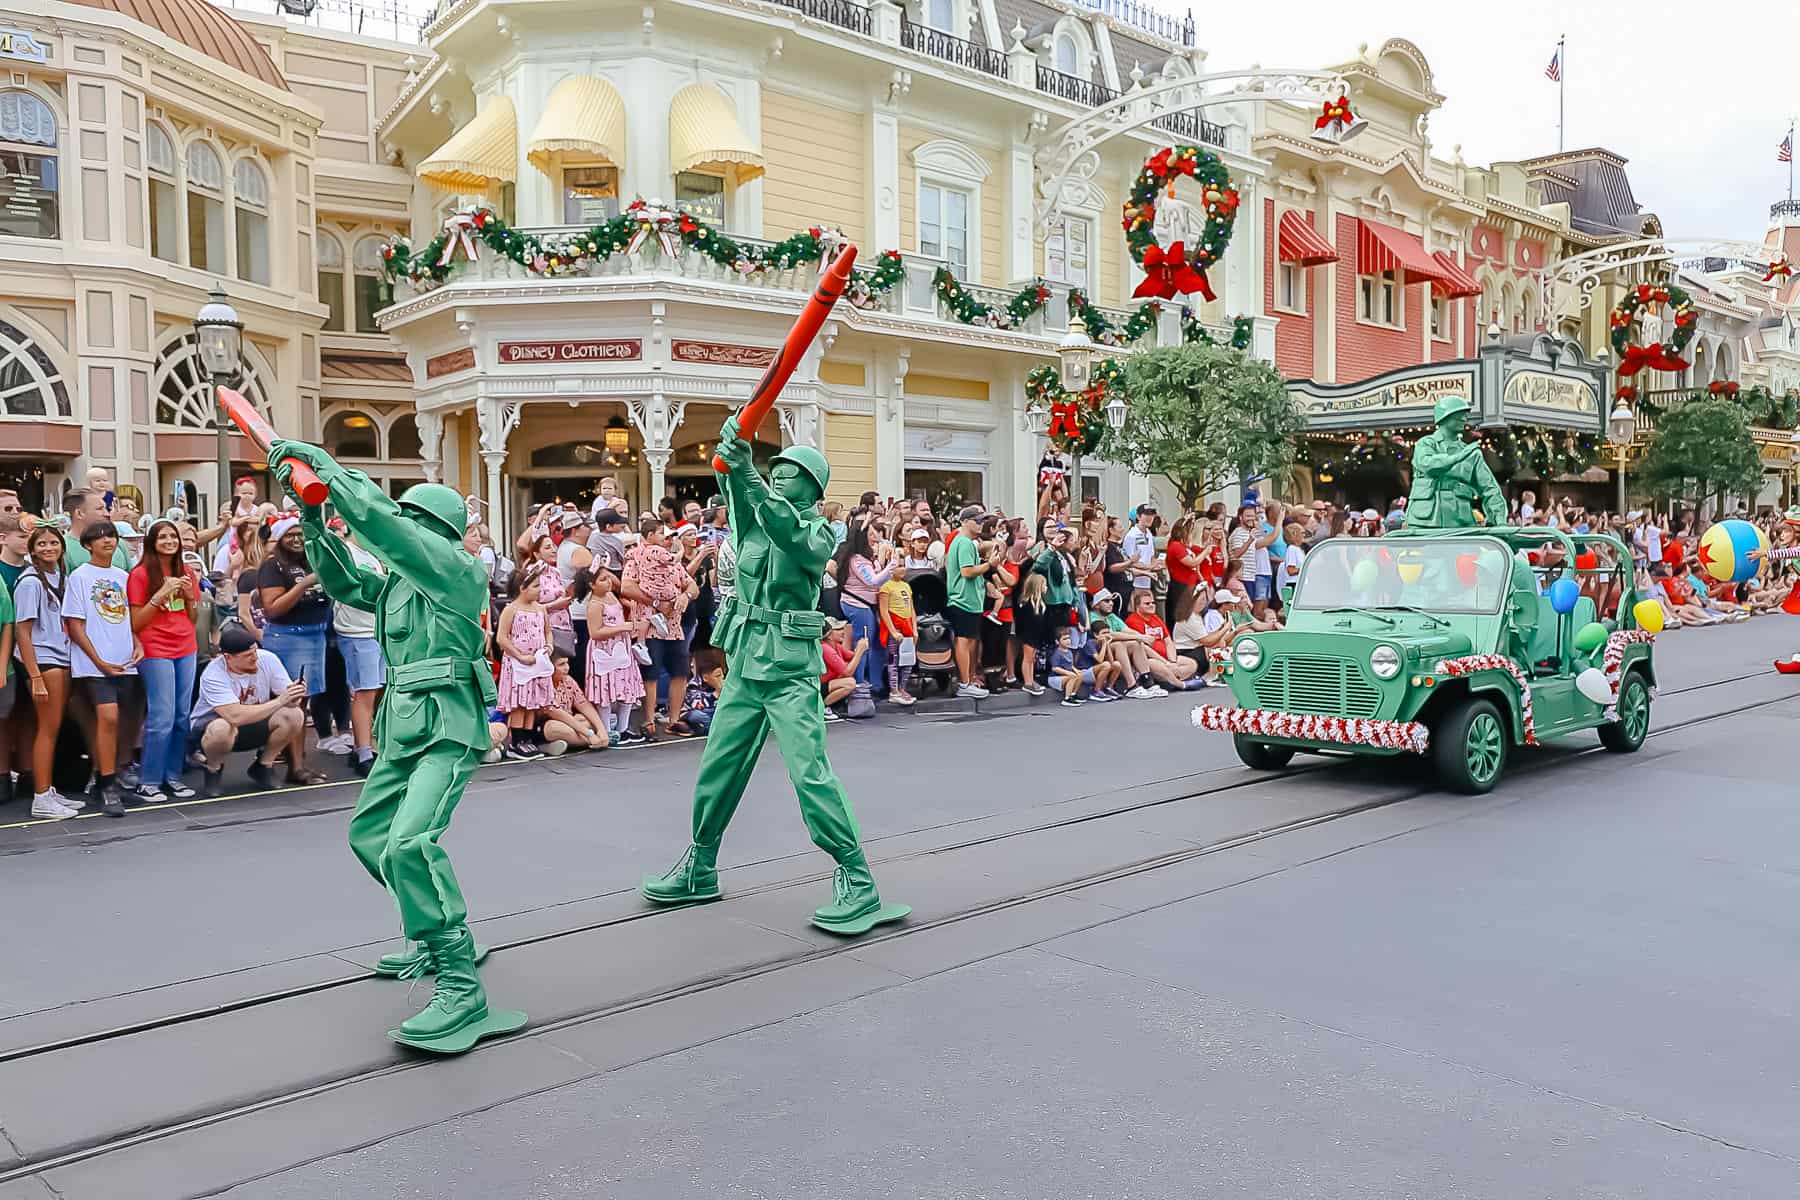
{"points": [[1590, 637], [1725, 550], [1563, 595], [1649, 616], [1592, 684], [1364, 575]]}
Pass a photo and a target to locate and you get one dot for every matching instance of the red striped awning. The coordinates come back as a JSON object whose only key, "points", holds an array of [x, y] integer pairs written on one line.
{"points": [[1298, 242], [1457, 282], [1382, 248]]}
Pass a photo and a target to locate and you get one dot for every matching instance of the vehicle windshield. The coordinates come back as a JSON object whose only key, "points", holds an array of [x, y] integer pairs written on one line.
{"points": [[1398, 573]]}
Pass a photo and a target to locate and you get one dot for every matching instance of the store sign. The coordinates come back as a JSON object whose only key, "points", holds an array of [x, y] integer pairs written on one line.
{"points": [[449, 364], [615, 350], [1540, 389], [1420, 392], [722, 354], [19, 45]]}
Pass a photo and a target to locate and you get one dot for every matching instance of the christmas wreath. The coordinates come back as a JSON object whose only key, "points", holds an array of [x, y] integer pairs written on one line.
{"points": [[1179, 267], [1664, 356], [1077, 421]]}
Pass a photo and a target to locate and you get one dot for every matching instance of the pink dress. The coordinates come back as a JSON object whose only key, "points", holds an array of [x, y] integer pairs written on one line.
{"points": [[612, 673], [550, 590], [528, 638]]}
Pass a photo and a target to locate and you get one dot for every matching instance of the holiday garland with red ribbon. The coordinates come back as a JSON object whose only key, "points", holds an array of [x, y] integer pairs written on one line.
{"points": [[1339, 731], [1179, 268], [1077, 421], [1469, 664], [1664, 356]]}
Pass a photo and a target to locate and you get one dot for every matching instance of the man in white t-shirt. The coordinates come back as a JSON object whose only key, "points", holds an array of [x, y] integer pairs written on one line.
{"points": [[365, 671], [247, 702], [103, 653], [1139, 546]]}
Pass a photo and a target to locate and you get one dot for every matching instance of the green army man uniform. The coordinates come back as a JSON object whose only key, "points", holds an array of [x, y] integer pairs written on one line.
{"points": [[770, 629], [430, 731], [1449, 475]]}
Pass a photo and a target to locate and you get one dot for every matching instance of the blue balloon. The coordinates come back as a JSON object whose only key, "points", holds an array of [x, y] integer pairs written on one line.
{"points": [[1563, 595]]}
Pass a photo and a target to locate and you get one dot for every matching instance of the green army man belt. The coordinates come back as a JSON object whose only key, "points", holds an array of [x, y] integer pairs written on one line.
{"points": [[806, 624]]}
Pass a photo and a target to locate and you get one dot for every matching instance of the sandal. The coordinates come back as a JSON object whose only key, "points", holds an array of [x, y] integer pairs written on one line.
{"points": [[306, 778], [680, 729]]}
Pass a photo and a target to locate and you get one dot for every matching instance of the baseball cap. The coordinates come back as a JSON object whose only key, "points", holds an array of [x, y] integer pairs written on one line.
{"points": [[609, 517], [235, 640], [1105, 596], [971, 512], [917, 531], [832, 624], [1227, 596]]}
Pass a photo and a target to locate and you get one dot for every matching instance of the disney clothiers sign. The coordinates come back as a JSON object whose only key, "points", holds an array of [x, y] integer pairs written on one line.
{"points": [[588, 351]]}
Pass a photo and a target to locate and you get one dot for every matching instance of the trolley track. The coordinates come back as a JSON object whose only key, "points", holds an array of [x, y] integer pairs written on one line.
{"points": [[109, 1143]]}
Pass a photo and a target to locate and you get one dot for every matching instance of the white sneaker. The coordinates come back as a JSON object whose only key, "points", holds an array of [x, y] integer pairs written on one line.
{"points": [[340, 744], [48, 806], [971, 691], [74, 802], [149, 795], [1140, 693], [1157, 689]]}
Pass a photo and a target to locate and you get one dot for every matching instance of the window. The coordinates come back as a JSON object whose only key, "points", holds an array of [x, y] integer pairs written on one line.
{"points": [[1067, 56], [940, 14], [352, 435], [30, 384], [702, 195], [205, 209], [28, 178], [590, 195], [250, 196], [1066, 255], [371, 291], [1440, 318], [944, 225], [1290, 288], [330, 257], [1378, 299], [403, 438], [159, 153]]}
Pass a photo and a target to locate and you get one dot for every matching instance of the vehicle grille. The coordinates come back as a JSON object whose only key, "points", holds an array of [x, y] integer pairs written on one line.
{"points": [[1305, 683]]}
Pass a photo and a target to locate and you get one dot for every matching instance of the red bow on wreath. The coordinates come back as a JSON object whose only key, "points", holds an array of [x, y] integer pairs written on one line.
{"points": [[1720, 387], [1656, 357], [1335, 110], [1065, 420], [1168, 271], [1781, 268]]}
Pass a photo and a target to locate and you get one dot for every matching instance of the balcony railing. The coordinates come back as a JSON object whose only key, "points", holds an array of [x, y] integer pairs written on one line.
{"points": [[1191, 127], [1149, 20], [845, 14], [1077, 91], [1784, 208], [950, 48]]}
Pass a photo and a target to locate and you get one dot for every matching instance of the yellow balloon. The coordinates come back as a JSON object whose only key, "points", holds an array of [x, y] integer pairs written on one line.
{"points": [[1410, 571], [1649, 615]]}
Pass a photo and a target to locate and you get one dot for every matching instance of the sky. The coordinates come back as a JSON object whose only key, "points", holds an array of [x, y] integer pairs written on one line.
{"points": [[1696, 97]]}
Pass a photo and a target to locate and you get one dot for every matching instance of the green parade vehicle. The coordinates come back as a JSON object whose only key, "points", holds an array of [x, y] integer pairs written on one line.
{"points": [[1460, 644]]}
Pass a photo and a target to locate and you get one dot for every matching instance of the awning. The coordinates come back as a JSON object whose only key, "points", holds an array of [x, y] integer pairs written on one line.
{"points": [[704, 131], [1299, 243], [481, 155], [1382, 248], [1456, 282], [584, 116]]}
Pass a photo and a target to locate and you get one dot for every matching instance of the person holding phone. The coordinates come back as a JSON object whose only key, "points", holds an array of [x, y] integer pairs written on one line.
{"points": [[103, 652], [164, 594]]}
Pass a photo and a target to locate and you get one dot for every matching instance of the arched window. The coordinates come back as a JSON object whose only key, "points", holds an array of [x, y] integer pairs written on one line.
{"points": [[352, 435], [30, 384], [330, 255], [371, 293], [250, 201], [1068, 56], [205, 208], [184, 390], [403, 438], [159, 156], [28, 176], [940, 14]]}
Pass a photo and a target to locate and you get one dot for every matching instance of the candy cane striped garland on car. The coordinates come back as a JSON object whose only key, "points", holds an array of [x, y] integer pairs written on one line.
{"points": [[1469, 664], [1342, 731], [1614, 658]]}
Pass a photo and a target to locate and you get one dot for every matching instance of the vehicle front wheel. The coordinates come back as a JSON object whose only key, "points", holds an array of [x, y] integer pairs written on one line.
{"points": [[1260, 755], [1469, 746], [1626, 734]]}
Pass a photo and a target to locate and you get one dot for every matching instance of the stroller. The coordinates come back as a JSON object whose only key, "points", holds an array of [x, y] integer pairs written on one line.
{"points": [[932, 640]]}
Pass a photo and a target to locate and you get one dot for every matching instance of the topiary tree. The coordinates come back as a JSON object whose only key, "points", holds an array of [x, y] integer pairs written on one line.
{"points": [[1204, 417], [1701, 448]]}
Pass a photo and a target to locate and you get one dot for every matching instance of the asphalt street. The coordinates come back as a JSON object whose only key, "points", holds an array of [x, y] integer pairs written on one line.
{"points": [[1135, 968]]}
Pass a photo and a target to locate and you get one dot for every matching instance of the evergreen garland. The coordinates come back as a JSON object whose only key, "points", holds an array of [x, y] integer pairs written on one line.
{"points": [[957, 299]]}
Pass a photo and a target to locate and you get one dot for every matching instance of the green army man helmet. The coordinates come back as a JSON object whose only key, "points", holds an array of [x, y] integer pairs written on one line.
{"points": [[441, 504], [1448, 407], [810, 461]]}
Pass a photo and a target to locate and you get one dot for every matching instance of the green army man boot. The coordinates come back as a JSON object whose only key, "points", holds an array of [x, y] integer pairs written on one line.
{"points": [[855, 904], [414, 961], [694, 877], [458, 1000]]}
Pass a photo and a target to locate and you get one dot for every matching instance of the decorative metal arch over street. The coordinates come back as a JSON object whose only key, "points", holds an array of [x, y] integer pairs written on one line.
{"points": [[1568, 284]]}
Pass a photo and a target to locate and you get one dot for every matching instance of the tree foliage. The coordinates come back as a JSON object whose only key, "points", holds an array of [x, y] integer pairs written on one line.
{"points": [[1204, 417], [1699, 448]]}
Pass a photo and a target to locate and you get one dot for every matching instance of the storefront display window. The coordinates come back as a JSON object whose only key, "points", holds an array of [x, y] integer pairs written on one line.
{"points": [[945, 490], [701, 195], [28, 175], [590, 195]]}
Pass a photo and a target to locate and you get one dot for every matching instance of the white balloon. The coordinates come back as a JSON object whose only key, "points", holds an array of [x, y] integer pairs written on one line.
{"points": [[1592, 684]]}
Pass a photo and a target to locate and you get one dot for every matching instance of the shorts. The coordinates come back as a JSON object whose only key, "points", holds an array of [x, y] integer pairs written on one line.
{"points": [[8, 691], [301, 649], [364, 668], [1260, 588], [963, 623], [107, 689], [668, 656], [251, 736]]}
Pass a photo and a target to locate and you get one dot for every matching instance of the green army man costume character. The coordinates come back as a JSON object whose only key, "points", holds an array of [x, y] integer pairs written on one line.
{"points": [[770, 630], [1449, 474], [431, 729]]}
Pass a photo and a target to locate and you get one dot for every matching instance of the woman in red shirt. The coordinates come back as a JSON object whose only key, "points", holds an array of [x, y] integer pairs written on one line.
{"points": [[1185, 560], [163, 594]]}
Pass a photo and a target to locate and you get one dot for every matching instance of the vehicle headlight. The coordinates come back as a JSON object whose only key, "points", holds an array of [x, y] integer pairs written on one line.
{"points": [[1385, 662], [1248, 653]]}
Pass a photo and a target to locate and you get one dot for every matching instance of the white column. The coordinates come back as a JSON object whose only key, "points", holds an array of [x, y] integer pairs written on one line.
{"points": [[656, 418], [1244, 259], [1018, 261], [1018, 449], [884, 181], [890, 422], [497, 419]]}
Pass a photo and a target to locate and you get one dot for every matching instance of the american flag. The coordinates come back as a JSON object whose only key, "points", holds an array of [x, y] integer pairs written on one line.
{"points": [[1786, 151], [1553, 72]]}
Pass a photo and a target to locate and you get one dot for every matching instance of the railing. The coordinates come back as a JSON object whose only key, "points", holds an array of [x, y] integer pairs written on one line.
{"points": [[1191, 126], [1149, 20], [950, 48], [1086, 93], [1784, 208], [845, 14]]}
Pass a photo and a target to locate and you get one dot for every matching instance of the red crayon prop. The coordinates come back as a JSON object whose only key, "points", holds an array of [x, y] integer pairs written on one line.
{"points": [[312, 489], [806, 328]]}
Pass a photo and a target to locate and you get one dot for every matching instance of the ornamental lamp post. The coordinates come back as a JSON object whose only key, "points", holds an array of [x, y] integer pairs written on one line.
{"points": [[1621, 427], [221, 338], [1037, 419], [1115, 412], [1076, 353], [1794, 461]]}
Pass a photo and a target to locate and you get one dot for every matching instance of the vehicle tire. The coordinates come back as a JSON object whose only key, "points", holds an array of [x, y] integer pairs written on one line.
{"points": [[1626, 734], [1469, 744], [1260, 755]]}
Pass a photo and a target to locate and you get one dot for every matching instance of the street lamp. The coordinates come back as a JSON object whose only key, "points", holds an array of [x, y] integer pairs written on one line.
{"points": [[1076, 353], [1115, 412], [221, 337], [1621, 427], [1037, 418]]}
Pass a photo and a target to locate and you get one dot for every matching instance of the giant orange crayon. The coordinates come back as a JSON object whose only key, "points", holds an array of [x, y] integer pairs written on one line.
{"points": [[806, 328], [312, 489]]}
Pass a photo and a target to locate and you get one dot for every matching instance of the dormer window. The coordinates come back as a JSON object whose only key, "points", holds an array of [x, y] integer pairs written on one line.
{"points": [[941, 15], [1067, 56]]}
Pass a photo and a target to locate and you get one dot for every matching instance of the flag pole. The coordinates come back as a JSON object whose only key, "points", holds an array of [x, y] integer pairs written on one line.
{"points": [[1562, 83], [1791, 124]]}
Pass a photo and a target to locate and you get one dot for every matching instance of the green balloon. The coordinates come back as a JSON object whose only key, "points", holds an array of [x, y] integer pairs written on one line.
{"points": [[1590, 637], [1364, 575]]}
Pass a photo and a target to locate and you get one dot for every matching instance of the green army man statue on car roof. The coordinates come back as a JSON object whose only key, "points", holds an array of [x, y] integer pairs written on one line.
{"points": [[431, 730], [1449, 474], [770, 629]]}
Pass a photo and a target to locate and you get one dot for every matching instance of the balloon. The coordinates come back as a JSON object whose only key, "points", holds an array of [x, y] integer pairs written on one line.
{"points": [[1563, 595], [1725, 550], [1649, 616], [1587, 562], [1791, 605], [1411, 568], [1590, 637], [1465, 569], [1592, 684], [1364, 575]]}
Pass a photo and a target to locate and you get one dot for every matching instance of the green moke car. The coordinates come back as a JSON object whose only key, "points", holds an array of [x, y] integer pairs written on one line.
{"points": [[1447, 643]]}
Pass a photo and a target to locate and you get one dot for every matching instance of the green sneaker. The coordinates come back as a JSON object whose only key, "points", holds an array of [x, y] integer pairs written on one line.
{"points": [[458, 1000], [855, 904], [694, 877], [414, 962]]}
